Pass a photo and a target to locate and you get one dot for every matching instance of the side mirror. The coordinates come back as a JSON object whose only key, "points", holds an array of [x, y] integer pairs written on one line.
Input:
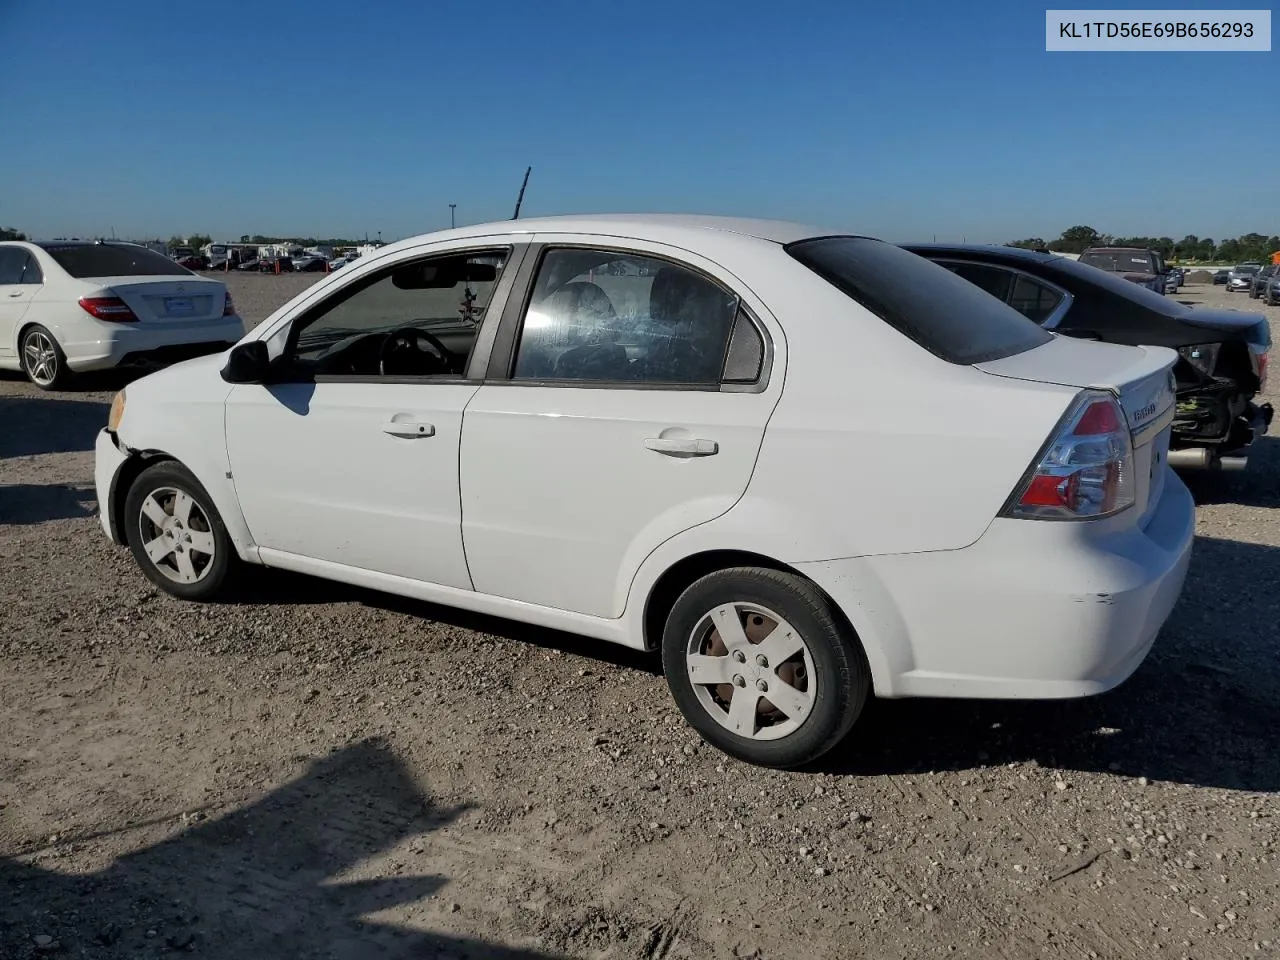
{"points": [[247, 363]]}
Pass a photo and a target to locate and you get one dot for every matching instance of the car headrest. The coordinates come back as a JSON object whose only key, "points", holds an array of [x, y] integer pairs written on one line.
{"points": [[580, 299], [677, 295]]}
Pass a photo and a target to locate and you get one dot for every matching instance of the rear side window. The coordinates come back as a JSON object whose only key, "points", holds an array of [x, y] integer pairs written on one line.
{"points": [[113, 260], [12, 260], [947, 315]]}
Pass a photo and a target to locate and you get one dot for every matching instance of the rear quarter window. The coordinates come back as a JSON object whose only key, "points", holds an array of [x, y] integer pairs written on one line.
{"points": [[944, 313], [108, 260]]}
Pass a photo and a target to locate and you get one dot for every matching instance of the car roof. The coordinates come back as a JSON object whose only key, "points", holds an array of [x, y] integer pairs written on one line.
{"points": [[670, 227], [985, 249]]}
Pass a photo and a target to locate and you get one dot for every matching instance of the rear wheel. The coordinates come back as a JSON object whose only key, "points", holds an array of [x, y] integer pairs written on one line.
{"points": [[43, 361], [762, 665], [177, 535]]}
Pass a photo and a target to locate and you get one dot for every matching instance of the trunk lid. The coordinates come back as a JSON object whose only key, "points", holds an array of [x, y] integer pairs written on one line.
{"points": [[168, 300], [1143, 379]]}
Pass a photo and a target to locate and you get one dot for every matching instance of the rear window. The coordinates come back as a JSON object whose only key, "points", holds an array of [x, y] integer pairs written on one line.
{"points": [[1121, 261], [113, 260], [945, 314]]}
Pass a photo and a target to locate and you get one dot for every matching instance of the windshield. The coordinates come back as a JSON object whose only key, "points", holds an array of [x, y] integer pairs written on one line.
{"points": [[1115, 284], [947, 315], [1247, 268], [113, 260], [1121, 261]]}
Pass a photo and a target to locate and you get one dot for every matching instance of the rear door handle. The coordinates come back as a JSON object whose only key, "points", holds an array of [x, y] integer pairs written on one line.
{"points": [[409, 428], [692, 447], [16, 293]]}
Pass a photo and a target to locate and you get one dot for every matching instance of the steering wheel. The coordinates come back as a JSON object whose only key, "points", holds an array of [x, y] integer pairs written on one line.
{"points": [[399, 343]]}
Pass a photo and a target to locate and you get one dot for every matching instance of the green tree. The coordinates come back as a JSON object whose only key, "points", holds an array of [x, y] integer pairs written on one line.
{"points": [[1076, 239], [8, 233], [196, 241], [1031, 243]]}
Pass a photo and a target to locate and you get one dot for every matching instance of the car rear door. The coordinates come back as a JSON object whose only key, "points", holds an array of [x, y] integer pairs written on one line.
{"points": [[20, 279], [626, 402]]}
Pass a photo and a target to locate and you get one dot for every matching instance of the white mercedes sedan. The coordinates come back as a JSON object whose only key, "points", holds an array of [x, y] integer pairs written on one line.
{"points": [[71, 306], [808, 467]]}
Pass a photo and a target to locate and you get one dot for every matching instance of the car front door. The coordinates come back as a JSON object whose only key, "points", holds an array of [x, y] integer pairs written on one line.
{"points": [[350, 454], [20, 280], [626, 402]]}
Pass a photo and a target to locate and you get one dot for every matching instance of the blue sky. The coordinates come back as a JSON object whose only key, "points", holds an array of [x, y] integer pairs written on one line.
{"points": [[338, 118]]}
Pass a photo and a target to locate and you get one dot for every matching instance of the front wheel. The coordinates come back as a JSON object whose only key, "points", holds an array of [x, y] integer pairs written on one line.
{"points": [[762, 665], [177, 535], [43, 361]]}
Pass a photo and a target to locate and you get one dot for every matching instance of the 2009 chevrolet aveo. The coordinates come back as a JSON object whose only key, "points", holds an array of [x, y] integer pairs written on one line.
{"points": [[809, 468]]}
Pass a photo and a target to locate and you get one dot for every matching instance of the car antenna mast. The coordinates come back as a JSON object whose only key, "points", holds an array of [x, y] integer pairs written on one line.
{"points": [[520, 199]]}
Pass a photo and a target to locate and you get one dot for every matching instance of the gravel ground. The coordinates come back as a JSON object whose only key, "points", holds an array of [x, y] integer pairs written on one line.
{"points": [[320, 771]]}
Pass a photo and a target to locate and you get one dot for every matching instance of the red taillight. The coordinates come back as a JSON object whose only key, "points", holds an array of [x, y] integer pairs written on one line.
{"points": [[1262, 371], [108, 308], [1087, 469], [228, 308]]}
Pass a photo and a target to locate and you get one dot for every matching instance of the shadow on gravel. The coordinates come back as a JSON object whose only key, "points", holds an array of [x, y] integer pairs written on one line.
{"points": [[24, 503], [272, 587], [49, 425], [1258, 485], [1203, 709], [256, 882]]}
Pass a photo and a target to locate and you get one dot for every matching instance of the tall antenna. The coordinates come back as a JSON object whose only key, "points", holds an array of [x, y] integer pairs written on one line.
{"points": [[520, 199]]}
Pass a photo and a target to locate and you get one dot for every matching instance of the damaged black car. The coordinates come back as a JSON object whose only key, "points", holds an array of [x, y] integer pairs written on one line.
{"points": [[1223, 353]]}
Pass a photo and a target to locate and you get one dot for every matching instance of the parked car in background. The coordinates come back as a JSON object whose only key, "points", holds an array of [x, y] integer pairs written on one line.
{"points": [[1171, 281], [1271, 296], [1223, 354], [67, 307], [675, 456], [1221, 277], [310, 263], [193, 262], [1136, 264], [1240, 277], [340, 262], [279, 264], [1261, 279]]}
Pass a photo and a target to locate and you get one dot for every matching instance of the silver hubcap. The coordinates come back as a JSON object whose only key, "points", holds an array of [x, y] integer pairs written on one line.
{"points": [[41, 358], [176, 535], [751, 671]]}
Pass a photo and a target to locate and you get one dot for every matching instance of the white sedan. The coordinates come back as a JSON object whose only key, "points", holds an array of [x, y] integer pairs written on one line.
{"points": [[72, 306], [809, 468]]}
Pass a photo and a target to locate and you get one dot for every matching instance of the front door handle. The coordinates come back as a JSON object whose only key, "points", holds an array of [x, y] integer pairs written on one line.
{"points": [[16, 293], [691, 447], [409, 428]]}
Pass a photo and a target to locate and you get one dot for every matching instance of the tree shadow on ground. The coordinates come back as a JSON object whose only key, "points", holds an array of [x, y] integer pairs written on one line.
{"points": [[256, 882], [1202, 709], [39, 425], [27, 503]]}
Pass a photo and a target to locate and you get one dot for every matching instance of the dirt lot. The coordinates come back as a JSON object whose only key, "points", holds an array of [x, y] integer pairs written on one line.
{"points": [[323, 772]]}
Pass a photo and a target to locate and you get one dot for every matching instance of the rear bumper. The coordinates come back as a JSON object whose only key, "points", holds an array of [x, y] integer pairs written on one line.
{"points": [[151, 344], [1032, 610]]}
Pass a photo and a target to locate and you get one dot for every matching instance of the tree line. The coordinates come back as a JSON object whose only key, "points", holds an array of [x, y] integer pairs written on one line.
{"points": [[1250, 246]]}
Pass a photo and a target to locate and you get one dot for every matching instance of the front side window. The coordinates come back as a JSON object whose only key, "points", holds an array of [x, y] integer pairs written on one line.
{"points": [[599, 315], [414, 319]]}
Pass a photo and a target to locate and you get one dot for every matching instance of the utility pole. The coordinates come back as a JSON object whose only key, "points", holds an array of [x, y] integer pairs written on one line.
{"points": [[452, 221]]}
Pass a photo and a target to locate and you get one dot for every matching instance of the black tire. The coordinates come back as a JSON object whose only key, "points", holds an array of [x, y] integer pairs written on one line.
{"points": [[214, 574], [43, 361], [838, 663]]}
